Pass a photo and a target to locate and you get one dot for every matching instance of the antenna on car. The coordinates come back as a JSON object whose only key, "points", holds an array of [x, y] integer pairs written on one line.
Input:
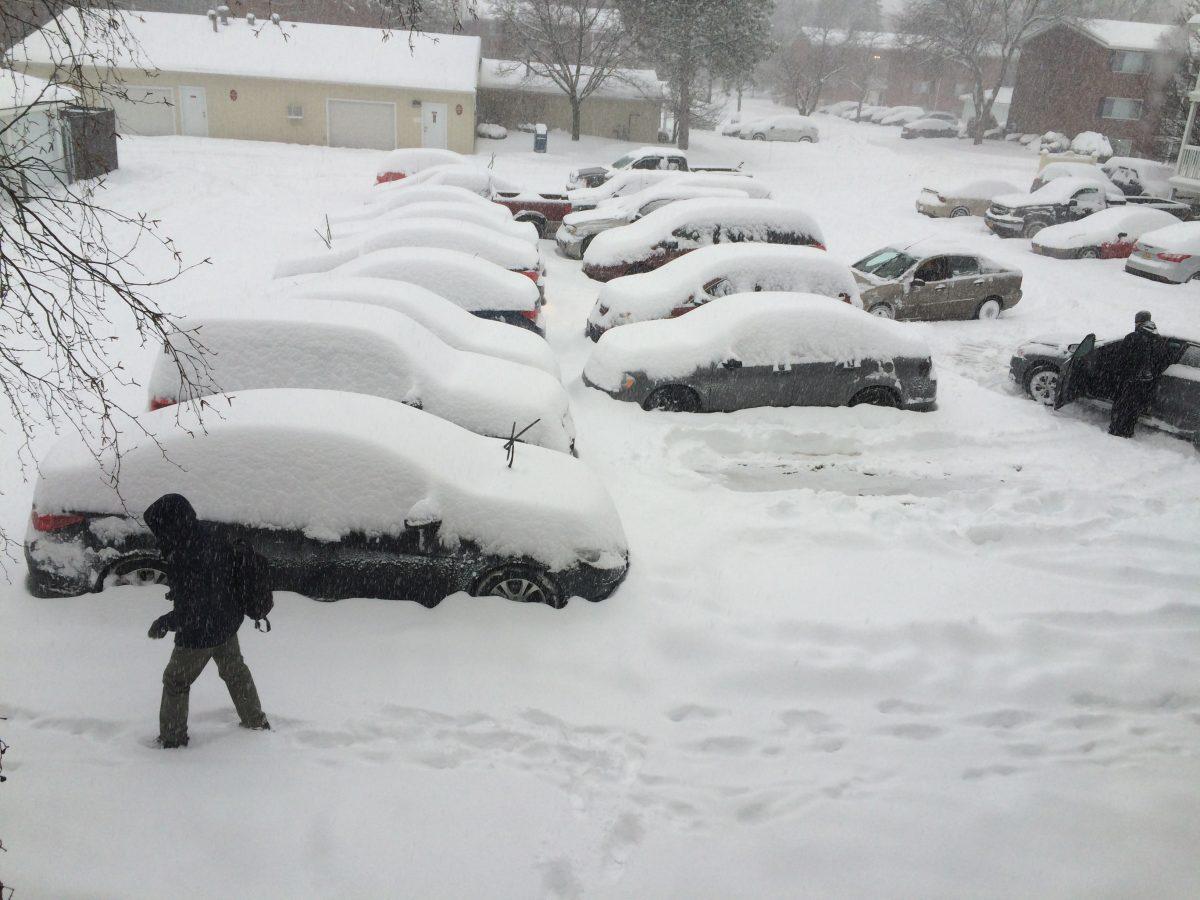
{"points": [[510, 446]]}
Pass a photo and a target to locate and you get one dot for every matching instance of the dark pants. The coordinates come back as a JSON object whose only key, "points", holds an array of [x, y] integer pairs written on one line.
{"points": [[185, 667], [1131, 401]]}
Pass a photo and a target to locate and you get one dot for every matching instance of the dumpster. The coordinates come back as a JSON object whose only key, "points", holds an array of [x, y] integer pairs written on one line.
{"points": [[540, 136]]}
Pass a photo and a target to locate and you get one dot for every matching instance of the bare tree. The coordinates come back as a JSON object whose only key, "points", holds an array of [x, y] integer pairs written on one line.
{"points": [[579, 45], [982, 36]]}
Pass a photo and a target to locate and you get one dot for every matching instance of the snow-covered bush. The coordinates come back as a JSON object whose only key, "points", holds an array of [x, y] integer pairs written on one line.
{"points": [[1092, 143], [491, 130], [1054, 142]]}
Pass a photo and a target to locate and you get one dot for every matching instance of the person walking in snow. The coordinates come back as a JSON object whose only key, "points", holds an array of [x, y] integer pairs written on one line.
{"points": [[205, 576], [1139, 363]]}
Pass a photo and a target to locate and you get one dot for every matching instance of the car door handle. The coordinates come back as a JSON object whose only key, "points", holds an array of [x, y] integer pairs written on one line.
{"points": [[979, 281], [940, 288]]}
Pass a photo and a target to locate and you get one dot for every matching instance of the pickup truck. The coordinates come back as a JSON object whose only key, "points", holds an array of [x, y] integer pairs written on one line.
{"points": [[666, 158]]}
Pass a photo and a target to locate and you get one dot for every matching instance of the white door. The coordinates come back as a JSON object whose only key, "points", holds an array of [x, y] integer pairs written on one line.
{"points": [[361, 123], [433, 125], [145, 110], [193, 111]]}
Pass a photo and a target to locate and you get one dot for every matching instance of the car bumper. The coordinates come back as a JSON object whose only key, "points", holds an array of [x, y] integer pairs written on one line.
{"points": [[933, 210], [594, 331], [1006, 227], [591, 582], [1054, 252], [569, 245], [62, 568], [1155, 270]]}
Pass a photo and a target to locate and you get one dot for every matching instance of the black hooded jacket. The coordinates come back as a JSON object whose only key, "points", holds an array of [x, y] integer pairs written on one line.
{"points": [[1142, 358], [202, 571]]}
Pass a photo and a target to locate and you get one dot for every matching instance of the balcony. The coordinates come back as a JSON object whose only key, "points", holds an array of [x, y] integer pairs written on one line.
{"points": [[1186, 179]]}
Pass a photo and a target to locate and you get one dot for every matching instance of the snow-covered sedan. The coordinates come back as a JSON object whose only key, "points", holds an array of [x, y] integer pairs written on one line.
{"points": [[1137, 177], [965, 198], [578, 229], [1057, 371], [381, 203], [786, 128], [764, 349], [476, 285], [621, 184], [364, 350], [930, 127], [931, 282], [709, 273], [446, 319], [1108, 234], [491, 216], [902, 115], [346, 495], [682, 227], [1081, 170], [400, 164], [1170, 255]]}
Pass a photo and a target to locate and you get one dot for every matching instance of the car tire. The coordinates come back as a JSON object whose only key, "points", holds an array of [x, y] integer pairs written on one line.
{"points": [[989, 309], [1041, 384], [539, 223], [1088, 253], [883, 311], [805, 140], [1032, 229], [673, 398], [959, 211], [876, 395], [140, 571], [520, 584], [760, 137]]}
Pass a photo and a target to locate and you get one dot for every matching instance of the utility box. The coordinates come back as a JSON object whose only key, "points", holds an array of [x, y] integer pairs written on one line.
{"points": [[91, 141], [540, 136]]}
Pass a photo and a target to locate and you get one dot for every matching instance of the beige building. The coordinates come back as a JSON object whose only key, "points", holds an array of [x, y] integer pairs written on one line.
{"points": [[331, 85]]}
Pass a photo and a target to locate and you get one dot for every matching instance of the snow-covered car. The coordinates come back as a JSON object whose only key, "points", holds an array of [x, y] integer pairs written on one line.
{"points": [[478, 241], [1108, 234], [578, 229], [929, 128], [382, 203], [346, 495], [902, 115], [965, 198], [786, 128], [488, 215], [706, 274], [838, 108], [1059, 200], [620, 185], [931, 282], [729, 128], [1170, 255], [491, 131], [878, 113], [399, 164], [476, 285], [1082, 170], [682, 227], [863, 114], [450, 322], [1139, 176], [363, 349], [764, 349], [1056, 372], [665, 158]]}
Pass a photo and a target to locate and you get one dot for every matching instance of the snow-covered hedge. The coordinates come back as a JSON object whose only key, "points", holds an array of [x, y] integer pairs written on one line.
{"points": [[1103, 227], [329, 463], [759, 329], [1092, 143], [366, 349], [448, 321], [491, 130]]}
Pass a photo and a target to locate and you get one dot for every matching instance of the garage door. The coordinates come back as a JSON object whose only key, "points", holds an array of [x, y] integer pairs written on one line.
{"points": [[146, 110], [357, 123]]}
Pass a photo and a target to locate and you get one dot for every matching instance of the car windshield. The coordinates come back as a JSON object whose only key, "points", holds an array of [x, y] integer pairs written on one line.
{"points": [[886, 263], [623, 162]]}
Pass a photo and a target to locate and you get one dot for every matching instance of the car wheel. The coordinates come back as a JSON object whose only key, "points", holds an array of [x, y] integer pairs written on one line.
{"points": [[1087, 253], [989, 309], [673, 398], [139, 572], [876, 396], [883, 311], [1033, 229], [1041, 384], [760, 137], [587, 242], [806, 140], [959, 211], [1195, 276], [521, 584]]}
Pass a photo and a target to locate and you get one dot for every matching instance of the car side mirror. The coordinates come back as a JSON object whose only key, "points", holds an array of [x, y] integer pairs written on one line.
{"points": [[732, 364]]}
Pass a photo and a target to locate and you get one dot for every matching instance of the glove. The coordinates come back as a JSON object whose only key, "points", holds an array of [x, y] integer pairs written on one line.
{"points": [[158, 629]]}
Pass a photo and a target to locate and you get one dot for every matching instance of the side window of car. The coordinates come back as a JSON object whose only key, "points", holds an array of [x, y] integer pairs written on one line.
{"points": [[676, 163], [1191, 357], [936, 269], [647, 162], [719, 287], [652, 206], [687, 233], [962, 266], [1088, 198]]}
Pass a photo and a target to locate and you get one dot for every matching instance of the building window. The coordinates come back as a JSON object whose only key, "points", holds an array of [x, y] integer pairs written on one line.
{"points": [[922, 87], [295, 111], [1120, 108], [1122, 146], [1130, 62]]}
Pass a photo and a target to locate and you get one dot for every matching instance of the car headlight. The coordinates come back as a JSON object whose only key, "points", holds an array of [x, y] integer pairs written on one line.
{"points": [[628, 382], [569, 229]]}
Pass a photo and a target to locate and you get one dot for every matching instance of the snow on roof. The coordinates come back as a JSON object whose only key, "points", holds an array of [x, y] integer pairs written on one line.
{"points": [[1182, 237], [18, 91], [336, 54], [331, 463], [1118, 35], [760, 329], [513, 75], [496, 218]]}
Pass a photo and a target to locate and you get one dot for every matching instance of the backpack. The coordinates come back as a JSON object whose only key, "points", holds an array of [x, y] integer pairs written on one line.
{"points": [[255, 585]]}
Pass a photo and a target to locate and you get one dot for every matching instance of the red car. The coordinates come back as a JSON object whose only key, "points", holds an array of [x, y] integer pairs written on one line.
{"points": [[687, 225], [545, 211]]}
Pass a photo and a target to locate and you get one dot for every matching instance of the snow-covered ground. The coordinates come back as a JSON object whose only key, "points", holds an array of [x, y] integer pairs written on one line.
{"points": [[860, 652]]}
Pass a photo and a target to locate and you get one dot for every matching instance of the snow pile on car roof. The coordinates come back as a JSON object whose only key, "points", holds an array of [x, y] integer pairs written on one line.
{"points": [[1059, 190], [774, 267], [331, 464], [411, 160], [492, 216], [752, 220], [465, 237], [1104, 227], [625, 208], [1182, 237], [466, 175], [976, 189], [472, 283], [369, 350], [623, 182], [448, 321], [759, 329], [380, 203]]}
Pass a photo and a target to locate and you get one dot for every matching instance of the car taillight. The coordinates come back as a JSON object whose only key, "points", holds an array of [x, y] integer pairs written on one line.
{"points": [[1174, 257], [531, 314], [844, 297], [160, 403], [818, 245], [532, 274], [385, 177], [58, 522]]}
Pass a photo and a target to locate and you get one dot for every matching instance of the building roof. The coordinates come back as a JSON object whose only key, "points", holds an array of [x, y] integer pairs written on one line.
{"points": [[1114, 34], [18, 91], [512, 75], [337, 54]]}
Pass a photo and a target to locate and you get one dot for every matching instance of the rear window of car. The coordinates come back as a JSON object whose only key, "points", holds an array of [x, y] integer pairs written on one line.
{"points": [[886, 263], [963, 265], [1191, 357]]}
